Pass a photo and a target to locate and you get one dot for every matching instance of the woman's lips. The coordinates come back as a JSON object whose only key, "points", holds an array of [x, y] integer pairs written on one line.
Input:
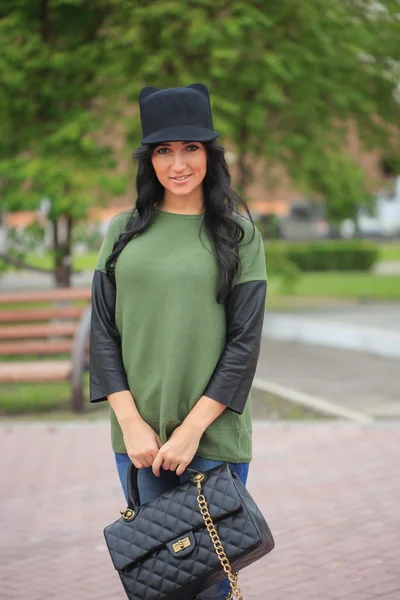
{"points": [[181, 179]]}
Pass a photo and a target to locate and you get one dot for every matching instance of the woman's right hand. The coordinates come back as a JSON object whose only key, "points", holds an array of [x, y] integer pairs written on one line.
{"points": [[141, 442]]}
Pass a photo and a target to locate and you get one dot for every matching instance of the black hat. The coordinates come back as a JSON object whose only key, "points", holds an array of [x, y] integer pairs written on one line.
{"points": [[176, 114]]}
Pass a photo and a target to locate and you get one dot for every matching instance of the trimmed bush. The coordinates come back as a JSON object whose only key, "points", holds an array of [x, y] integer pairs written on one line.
{"points": [[279, 264], [325, 255]]}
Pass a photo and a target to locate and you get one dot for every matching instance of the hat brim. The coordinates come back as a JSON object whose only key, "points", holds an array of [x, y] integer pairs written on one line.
{"points": [[180, 133]]}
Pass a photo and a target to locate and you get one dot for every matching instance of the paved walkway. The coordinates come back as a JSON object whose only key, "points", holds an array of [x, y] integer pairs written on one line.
{"points": [[380, 315], [373, 328], [387, 267], [329, 491], [356, 380]]}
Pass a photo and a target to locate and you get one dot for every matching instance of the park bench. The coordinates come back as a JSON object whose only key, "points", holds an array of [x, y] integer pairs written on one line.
{"points": [[53, 330]]}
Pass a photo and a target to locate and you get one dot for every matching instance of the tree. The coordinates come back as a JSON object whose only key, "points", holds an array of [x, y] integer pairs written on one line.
{"points": [[286, 78], [56, 78]]}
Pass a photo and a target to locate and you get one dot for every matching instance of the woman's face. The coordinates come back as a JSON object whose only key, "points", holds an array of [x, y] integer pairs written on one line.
{"points": [[180, 166]]}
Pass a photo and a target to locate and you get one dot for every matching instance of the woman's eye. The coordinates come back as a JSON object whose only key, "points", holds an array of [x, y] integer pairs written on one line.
{"points": [[192, 147], [161, 151]]}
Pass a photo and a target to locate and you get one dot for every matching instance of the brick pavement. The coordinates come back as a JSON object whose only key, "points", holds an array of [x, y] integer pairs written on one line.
{"points": [[329, 490]]}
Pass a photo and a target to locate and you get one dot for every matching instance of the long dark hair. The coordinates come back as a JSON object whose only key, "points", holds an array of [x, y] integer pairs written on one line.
{"points": [[221, 205]]}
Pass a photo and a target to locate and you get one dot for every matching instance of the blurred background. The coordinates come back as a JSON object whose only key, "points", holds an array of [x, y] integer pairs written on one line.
{"points": [[306, 97]]}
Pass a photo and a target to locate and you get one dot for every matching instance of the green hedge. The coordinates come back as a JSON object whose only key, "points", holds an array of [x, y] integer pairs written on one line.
{"points": [[325, 255]]}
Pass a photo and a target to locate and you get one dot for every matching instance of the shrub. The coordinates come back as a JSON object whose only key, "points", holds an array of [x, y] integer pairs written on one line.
{"points": [[279, 264], [328, 255]]}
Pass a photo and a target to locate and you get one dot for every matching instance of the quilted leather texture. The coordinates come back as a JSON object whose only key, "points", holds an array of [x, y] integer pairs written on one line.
{"points": [[140, 548]]}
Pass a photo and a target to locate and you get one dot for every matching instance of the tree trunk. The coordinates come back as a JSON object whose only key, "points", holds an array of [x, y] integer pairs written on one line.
{"points": [[62, 231], [3, 232]]}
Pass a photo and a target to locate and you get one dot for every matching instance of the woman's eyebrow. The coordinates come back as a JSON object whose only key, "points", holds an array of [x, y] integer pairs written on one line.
{"points": [[168, 144]]}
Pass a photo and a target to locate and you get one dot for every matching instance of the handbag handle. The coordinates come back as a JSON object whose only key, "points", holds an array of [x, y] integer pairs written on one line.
{"points": [[132, 485], [133, 488], [216, 540]]}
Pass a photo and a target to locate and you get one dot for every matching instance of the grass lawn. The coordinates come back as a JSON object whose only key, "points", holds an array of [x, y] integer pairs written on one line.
{"points": [[80, 263], [268, 406], [389, 251], [46, 401], [342, 285], [26, 398]]}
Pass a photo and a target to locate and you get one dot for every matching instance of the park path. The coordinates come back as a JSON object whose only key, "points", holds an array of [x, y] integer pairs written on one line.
{"points": [[356, 380], [329, 491]]}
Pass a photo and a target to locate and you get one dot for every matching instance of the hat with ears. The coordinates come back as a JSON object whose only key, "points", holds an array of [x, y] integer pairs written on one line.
{"points": [[176, 114]]}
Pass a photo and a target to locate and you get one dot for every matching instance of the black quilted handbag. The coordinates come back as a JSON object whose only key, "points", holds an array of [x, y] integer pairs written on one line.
{"points": [[170, 549]]}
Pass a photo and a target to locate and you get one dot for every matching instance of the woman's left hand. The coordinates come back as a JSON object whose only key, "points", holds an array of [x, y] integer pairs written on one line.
{"points": [[178, 452]]}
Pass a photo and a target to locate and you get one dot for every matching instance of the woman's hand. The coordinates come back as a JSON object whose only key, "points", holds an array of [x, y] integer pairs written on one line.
{"points": [[141, 442], [178, 452]]}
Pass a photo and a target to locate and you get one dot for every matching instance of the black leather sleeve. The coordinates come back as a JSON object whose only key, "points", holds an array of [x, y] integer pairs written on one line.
{"points": [[233, 376], [106, 369]]}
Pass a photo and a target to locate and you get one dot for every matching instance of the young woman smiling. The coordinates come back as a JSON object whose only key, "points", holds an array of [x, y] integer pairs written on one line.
{"points": [[178, 300], [180, 167]]}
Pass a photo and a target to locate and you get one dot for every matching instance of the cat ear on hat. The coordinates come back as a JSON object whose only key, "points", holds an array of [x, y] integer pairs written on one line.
{"points": [[147, 91], [200, 87]]}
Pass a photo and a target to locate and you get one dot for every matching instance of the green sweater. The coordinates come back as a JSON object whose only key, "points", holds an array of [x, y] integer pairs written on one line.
{"points": [[173, 332]]}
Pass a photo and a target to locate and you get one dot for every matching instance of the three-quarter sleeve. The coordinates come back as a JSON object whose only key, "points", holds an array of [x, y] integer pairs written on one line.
{"points": [[233, 376], [106, 369]]}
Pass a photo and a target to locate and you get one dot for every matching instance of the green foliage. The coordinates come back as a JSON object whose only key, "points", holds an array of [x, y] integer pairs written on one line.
{"points": [[278, 263], [269, 227], [53, 104], [286, 79], [329, 255]]}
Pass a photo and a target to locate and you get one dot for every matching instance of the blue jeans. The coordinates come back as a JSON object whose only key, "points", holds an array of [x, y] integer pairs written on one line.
{"points": [[151, 486]]}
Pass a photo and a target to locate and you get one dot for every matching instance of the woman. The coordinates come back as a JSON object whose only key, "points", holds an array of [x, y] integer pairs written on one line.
{"points": [[177, 307]]}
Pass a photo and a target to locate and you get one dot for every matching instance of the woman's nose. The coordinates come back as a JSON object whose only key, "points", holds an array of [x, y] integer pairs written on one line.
{"points": [[179, 162]]}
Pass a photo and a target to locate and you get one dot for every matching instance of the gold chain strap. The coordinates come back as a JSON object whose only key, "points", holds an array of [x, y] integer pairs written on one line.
{"points": [[233, 577]]}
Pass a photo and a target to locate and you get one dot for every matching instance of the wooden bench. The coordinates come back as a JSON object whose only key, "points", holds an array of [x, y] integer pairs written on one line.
{"points": [[60, 327]]}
